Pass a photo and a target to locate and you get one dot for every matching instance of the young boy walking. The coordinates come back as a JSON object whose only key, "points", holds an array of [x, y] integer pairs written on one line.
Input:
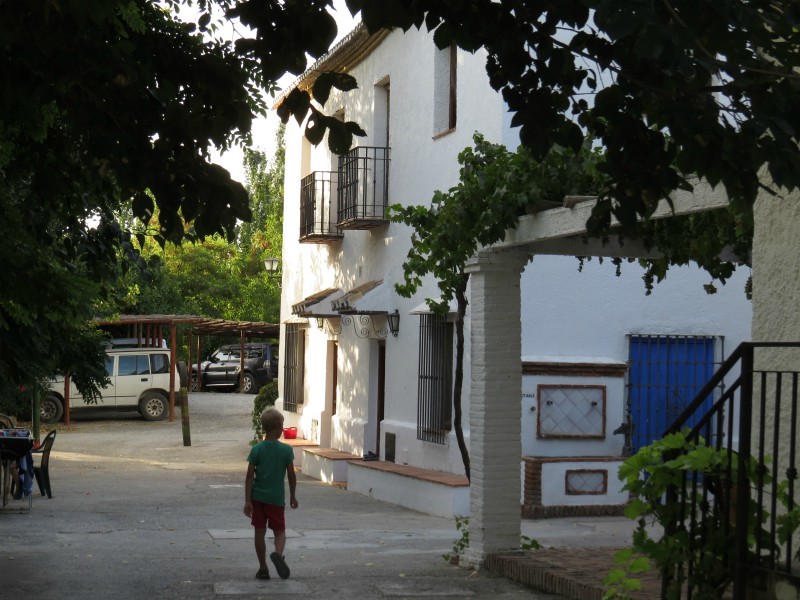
{"points": [[264, 494]]}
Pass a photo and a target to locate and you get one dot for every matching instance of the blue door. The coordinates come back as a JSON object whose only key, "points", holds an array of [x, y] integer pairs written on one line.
{"points": [[665, 375]]}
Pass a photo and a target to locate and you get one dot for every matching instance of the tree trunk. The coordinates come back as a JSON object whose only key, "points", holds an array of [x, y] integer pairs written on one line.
{"points": [[461, 302]]}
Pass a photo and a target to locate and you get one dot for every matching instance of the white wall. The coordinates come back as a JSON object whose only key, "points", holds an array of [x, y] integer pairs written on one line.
{"points": [[419, 166], [565, 313], [589, 313]]}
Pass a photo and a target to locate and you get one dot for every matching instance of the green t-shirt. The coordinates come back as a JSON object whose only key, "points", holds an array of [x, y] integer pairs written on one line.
{"points": [[270, 459]]}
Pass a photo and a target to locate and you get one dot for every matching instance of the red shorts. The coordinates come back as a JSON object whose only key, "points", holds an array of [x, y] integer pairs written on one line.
{"points": [[268, 515]]}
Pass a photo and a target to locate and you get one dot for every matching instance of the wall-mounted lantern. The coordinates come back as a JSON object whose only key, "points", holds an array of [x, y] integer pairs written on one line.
{"points": [[394, 322]]}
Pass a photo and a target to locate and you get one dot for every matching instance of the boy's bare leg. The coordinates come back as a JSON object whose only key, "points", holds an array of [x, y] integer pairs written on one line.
{"points": [[277, 556], [261, 547], [280, 541]]}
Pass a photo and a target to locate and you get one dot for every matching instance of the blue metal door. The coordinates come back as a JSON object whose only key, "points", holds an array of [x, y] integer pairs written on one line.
{"points": [[665, 375]]}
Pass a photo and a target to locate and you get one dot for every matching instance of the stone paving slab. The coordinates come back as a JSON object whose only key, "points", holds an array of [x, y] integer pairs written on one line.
{"points": [[411, 590], [272, 588], [245, 534]]}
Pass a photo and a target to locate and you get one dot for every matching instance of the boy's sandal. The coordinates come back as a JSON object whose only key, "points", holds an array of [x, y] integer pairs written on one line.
{"points": [[262, 574], [280, 565]]}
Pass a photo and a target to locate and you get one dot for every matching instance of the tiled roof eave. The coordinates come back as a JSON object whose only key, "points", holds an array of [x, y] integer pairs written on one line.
{"points": [[345, 55]]}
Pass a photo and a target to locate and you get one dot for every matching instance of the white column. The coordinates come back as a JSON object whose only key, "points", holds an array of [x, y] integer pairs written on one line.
{"points": [[495, 392]]}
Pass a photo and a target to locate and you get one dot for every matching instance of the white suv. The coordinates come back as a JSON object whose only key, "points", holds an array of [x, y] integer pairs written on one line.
{"points": [[139, 381]]}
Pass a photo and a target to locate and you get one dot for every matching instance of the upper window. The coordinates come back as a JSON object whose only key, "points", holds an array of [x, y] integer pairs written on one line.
{"points": [[444, 90]]}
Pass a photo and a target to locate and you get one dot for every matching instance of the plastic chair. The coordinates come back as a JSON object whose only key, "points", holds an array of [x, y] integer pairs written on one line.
{"points": [[42, 470]]}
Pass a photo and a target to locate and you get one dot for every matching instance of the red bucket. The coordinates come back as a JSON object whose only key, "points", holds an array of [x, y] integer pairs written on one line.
{"points": [[290, 433]]}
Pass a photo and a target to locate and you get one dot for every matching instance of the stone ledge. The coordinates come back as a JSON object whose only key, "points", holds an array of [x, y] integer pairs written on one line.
{"points": [[330, 453], [298, 442], [448, 479]]}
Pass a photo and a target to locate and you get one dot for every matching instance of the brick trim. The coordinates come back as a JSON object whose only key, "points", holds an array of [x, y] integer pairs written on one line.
{"points": [[561, 511], [574, 369], [561, 459]]}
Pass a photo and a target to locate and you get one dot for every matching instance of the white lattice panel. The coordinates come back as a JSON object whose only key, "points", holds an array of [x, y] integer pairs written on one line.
{"points": [[589, 482], [571, 411]]}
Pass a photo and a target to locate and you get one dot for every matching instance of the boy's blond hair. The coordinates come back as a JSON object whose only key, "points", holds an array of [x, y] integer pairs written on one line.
{"points": [[271, 419]]}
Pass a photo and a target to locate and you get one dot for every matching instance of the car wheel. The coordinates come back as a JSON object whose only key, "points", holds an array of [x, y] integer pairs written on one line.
{"points": [[153, 406], [248, 384], [194, 382], [183, 373], [50, 409]]}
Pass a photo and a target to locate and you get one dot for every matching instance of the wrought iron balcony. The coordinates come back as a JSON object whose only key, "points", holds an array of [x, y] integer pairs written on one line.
{"points": [[363, 188], [318, 208]]}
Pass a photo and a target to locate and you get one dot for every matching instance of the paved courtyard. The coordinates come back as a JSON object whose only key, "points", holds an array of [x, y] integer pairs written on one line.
{"points": [[136, 514]]}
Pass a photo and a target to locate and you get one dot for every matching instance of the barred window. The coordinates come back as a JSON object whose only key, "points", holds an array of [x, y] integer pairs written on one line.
{"points": [[293, 367], [434, 396]]}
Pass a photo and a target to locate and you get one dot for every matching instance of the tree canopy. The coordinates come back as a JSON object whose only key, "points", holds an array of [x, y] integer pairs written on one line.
{"points": [[672, 90], [110, 107]]}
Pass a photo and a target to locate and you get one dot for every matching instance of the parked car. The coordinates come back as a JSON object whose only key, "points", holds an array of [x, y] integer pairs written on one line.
{"points": [[222, 368], [140, 380]]}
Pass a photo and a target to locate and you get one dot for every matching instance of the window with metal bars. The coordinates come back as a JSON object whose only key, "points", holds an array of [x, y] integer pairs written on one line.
{"points": [[293, 367], [435, 378]]}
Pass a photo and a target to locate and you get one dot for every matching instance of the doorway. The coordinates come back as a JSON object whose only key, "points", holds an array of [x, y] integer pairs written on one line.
{"points": [[381, 394], [666, 373]]}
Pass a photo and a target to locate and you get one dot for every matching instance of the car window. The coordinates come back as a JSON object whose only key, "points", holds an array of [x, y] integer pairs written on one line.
{"points": [[134, 364], [109, 364], [254, 353], [227, 354], [159, 363]]}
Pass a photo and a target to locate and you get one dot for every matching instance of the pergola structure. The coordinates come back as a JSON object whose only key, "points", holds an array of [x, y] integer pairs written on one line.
{"points": [[242, 329], [150, 330], [495, 337]]}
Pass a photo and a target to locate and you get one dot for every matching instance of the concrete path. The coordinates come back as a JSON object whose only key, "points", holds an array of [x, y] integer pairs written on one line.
{"points": [[136, 514]]}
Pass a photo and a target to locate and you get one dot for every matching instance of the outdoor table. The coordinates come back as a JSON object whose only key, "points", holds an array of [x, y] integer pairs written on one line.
{"points": [[14, 444]]}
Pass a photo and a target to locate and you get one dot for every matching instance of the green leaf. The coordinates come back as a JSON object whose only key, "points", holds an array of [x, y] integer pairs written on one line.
{"points": [[639, 565], [355, 129], [143, 206], [315, 128], [322, 87], [339, 138], [296, 103]]}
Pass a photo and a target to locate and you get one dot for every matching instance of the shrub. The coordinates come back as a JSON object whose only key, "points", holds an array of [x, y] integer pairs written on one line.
{"points": [[267, 396]]}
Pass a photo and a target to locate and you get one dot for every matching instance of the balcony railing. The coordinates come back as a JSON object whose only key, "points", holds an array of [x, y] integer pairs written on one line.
{"points": [[363, 188], [318, 192]]}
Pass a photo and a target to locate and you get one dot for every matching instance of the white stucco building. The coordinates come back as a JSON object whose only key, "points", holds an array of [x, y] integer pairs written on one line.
{"points": [[366, 370]]}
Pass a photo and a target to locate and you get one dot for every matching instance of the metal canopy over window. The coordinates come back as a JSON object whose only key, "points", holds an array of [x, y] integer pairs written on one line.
{"points": [[313, 305], [366, 299]]}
